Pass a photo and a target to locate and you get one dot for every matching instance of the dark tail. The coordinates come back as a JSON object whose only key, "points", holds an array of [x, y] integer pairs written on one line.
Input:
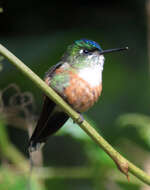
{"points": [[51, 119]]}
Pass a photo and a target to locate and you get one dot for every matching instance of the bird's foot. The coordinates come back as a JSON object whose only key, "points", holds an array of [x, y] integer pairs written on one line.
{"points": [[80, 119]]}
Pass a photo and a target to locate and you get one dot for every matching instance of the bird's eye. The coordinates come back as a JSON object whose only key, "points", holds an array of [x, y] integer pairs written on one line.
{"points": [[85, 51]]}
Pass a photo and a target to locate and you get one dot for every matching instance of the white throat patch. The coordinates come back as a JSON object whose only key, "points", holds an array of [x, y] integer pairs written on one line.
{"points": [[93, 74]]}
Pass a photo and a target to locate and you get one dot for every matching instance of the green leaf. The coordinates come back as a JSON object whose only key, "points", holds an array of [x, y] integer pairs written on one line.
{"points": [[140, 122]]}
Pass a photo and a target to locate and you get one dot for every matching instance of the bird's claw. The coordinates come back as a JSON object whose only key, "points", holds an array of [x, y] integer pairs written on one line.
{"points": [[80, 119]]}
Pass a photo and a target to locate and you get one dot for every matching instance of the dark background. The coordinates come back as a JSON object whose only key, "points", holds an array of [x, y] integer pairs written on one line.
{"points": [[38, 32]]}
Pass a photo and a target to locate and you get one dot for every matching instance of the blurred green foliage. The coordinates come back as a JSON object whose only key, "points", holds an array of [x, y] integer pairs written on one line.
{"points": [[38, 33], [10, 180]]}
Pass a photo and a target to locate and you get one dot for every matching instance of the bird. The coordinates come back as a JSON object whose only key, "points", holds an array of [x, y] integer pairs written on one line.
{"points": [[77, 78]]}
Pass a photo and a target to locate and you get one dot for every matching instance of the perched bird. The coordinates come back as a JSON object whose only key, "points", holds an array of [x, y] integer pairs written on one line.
{"points": [[77, 78]]}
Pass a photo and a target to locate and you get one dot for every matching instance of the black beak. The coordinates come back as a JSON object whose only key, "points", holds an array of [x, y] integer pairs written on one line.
{"points": [[112, 50]]}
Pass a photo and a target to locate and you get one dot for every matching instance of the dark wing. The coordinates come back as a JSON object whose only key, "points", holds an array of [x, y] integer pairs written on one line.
{"points": [[50, 119], [50, 72]]}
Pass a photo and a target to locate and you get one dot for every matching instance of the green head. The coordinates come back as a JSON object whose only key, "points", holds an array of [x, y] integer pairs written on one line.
{"points": [[81, 49], [86, 52]]}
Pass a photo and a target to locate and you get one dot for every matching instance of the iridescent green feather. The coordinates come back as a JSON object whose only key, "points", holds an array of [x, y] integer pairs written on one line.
{"points": [[60, 81], [73, 50]]}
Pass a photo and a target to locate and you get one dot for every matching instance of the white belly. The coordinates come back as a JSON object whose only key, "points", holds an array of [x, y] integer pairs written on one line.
{"points": [[93, 75]]}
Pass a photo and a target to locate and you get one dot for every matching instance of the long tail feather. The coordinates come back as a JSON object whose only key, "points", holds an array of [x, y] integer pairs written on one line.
{"points": [[49, 122]]}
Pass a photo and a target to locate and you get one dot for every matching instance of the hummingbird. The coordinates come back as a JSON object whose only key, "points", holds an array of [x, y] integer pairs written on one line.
{"points": [[77, 78]]}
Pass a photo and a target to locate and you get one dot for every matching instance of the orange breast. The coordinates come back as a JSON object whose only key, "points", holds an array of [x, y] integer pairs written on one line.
{"points": [[80, 95]]}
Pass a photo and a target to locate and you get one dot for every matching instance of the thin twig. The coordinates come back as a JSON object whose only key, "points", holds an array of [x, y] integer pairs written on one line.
{"points": [[123, 164]]}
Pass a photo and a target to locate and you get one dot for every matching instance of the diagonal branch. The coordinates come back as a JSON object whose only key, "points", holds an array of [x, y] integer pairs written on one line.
{"points": [[123, 164]]}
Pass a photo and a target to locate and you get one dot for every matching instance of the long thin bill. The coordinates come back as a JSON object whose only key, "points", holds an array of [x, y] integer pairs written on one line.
{"points": [[112, 50]]}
